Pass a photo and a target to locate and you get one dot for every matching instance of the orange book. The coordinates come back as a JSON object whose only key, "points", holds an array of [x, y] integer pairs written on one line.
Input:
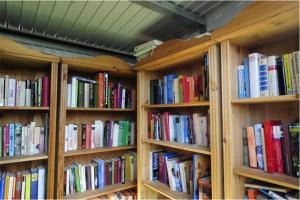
{"points": [[101, 90], [252, 193], [251, 147]]}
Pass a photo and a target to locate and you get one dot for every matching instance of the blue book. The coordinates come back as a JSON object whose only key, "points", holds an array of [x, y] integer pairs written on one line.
{"points": [[258, 145], [246, 77], [11, 139], [165, 95], [170, 78], [101, 173], [34, 183], [241, 81], [185, 130], [2, 185], [263, 77]]}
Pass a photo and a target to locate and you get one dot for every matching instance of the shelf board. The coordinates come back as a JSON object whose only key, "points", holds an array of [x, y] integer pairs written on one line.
{"points": [[98, 150], [275, 178], [184, 147], [23, 108], [101, 109], [273, 99], [177, 105], [106, 190], [19, 159], [165, 190]]}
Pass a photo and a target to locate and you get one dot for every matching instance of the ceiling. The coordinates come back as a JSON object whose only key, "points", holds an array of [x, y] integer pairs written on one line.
{"points": [[116, 26]]}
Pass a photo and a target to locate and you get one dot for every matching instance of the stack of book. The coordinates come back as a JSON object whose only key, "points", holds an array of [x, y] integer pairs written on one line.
{"points": [[262, 190], [186, 129], [100, 134], [262, 75], [180, 88], [99, 173], [146, 49], [127, 194], [272, 146], [26, 184], [88, 93], [24, 93], [17, 139], [182, 174]]}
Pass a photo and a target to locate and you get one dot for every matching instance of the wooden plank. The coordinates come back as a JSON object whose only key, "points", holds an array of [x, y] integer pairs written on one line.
{"points": [[183, 147], [106, 190], [20, 159], [98, 150], [101, 109], [273, 99], [177, 105], [25, 108], [165, 190], [275, 178]]}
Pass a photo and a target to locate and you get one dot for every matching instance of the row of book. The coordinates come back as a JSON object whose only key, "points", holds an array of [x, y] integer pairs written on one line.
{"points": [[123, 195], [25, 184], [17, 139], [100, 134], [15, 92], [262, 75], [180, 88], [183, 174], [186, 129], [88, 93], [100, 173], [272, 146], [262, 190]]}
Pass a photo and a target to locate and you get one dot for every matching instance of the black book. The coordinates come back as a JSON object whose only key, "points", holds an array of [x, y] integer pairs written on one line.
{"points": [[151, 92], [106, 129], [155, 91], [91, 95], [281, 76], [96, 96], [80, 94], [32, 93]]}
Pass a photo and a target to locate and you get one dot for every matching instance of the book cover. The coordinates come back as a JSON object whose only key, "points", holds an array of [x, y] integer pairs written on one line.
{"points": [[263, 76], [241, 80], [294, 130], [11, 139], [246, 77], [251, 147], [258, 145], [34, 183], [201, 168], [18, 138], [273, 76], [245, 147], [254, 74], [277, 134], [287, 72]]}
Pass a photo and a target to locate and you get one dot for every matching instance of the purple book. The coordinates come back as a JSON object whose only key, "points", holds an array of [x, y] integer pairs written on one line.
{"points": [[119, 95], [42, 140]]}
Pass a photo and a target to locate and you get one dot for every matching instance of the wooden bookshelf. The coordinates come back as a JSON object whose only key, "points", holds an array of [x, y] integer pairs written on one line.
{"points": [[179, 57], [23, 63], [274, 34], [106, 190], [119, 71]]}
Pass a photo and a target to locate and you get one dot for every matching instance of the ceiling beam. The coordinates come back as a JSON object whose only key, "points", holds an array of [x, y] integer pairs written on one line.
{"points": [[169, 8]]}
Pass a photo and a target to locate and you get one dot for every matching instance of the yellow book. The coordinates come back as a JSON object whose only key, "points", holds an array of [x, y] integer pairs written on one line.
{"points": [[287, 73], [14, 186], [27, 186], [6, 186], [128, 167]]}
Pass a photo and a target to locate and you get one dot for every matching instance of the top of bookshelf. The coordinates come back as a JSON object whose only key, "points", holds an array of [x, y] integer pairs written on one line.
{"points": [[174, 53], [100, 63], [11, 50]]}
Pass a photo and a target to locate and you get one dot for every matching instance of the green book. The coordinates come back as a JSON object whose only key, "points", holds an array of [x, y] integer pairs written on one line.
{"points": [[77, 178], [96, 96], [121, 132], [108, 97], [80, 94], [126, 131]]}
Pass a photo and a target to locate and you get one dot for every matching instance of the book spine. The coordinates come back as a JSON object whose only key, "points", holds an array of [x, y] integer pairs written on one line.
{"points": [[45, 91], [258, 143], [287, 151], [240, 78], [106, 90], [170, 98], [91, 95], [2, 91], [245, 148], [86, 95], [281, 76], [12, 92], [81, 94], [287, 70], [263, 77], [11, 139], [166, 88], [101, 89], [246, 77], [273, 76], [296, 69], [254, 74], [251, 147]]}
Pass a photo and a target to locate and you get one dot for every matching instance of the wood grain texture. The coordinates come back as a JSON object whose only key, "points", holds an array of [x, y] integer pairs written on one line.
{"points": [[177, 105], [25, 108], [273, 99], [21, 159], [101, 109]]}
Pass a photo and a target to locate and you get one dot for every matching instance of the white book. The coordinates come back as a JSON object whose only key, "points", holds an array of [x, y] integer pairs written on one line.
{"points": [[2, 91], [86, 94], [74, 137], [273, 76], [254, 74], [180, 136], [70, 137], [67, 181], [74, 93], [18, 90], [83, 179], [93, 136], [41, 182], [172, 128], [263, 77], [23, 137], [36, 140], [66, 138], [183, 176], [170, 170], [27, 93], [23, 186], [6, 88], [115, 135], [31, 138], [150, 165], [69, 94], [203, 131], [11, 92], [101, 131], [196, 122], [123, 98], [92, 176], [10, 187], [22, 94], [132, 133], [98, 133]]}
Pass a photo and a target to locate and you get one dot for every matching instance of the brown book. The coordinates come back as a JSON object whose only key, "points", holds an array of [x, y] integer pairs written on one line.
{"points": [[191, 88], [251, 147], [83, 136], [79, 142], [287, 161], [18, 185]]}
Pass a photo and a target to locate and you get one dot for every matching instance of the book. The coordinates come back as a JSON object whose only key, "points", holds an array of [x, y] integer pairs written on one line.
{"points": [[253, 74], [251, 147], [245, 147], [255, 184], [287, 72], [272, 76], [241, 81], [264, 76], [277, 134]]}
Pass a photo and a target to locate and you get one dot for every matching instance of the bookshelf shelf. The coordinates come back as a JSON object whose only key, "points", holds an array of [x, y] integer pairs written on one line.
{"points": [[279, 179], [25, 108], [98, 150], [275, 99], [175, 145], [20, 159], [177, 105], [106, 190], [101, 109], [165, 190]]}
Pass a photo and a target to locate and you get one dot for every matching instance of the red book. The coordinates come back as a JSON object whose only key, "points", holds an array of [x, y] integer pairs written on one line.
{"points": [[252, 193], [270, 144], [115, 97], [18, 185], [101, 89], [196, 88], [166, 126], [186, 95], [150, 135], [116, 172], [88, 136], [278, 148], [45, 91]]}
